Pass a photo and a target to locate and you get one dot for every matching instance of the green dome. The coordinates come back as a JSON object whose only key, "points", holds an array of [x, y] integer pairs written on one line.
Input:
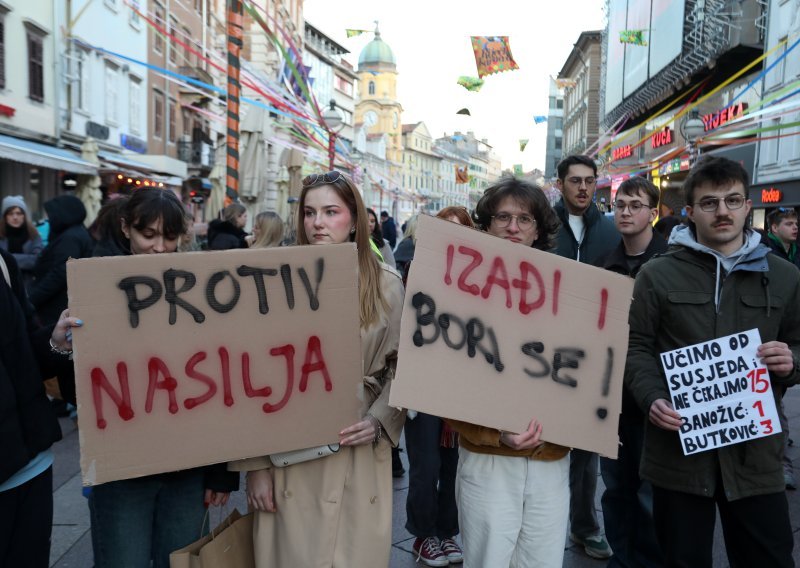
{"points": [[376, 52]]}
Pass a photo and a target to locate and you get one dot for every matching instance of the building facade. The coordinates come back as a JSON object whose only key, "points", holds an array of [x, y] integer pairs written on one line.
{"points": [[555, 134], [581, 73]]}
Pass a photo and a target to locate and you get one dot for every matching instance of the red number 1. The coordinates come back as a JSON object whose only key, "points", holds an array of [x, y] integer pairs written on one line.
{"points": [[757, 406]]}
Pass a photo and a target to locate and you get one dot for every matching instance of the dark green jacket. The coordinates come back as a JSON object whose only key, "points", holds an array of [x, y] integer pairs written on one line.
{"points": [[674, 306], [600, 236]]}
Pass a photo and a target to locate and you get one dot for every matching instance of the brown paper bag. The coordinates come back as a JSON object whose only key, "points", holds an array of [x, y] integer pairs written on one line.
{"points": [[229, 545]]}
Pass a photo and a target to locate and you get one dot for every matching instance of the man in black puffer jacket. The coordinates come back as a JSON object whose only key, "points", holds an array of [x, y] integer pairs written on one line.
{"points": [[28, 428], [68, 239]]}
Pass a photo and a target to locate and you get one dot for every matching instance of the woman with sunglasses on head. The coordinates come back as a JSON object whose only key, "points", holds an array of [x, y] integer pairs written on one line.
{"points": [[136, 522], [336, 511], [512, 490]]}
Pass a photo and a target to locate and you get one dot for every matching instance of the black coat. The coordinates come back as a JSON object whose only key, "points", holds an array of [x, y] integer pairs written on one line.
{"points": [[389, 230], [223, 235], [68, 239], [27, 423]]}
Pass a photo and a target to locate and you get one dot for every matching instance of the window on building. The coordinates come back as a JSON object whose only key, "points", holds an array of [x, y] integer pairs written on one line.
{"points": [[84, 82], [173, 120], [158, 39], [770, 147], [558, 143], [559, 103], [113, 4], [188, 55], [372, 87], [35, 67], [110, 86], [778, 74], [198, 6], [135, 103], [2, 52], [158, 114], [186, 122], [173, 52], [133, 16], [343, 85]]}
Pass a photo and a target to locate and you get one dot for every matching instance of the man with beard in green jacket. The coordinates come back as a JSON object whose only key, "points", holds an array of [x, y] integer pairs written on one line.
{"points": [[717, 280]]}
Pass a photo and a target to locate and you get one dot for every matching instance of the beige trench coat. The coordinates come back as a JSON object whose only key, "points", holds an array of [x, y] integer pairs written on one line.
{"points": [[336, 512]]}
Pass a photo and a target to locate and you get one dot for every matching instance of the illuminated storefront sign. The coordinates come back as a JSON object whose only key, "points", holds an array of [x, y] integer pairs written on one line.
{"points": [[661, 138], [717, 119], [771, 195], [621, 152]]}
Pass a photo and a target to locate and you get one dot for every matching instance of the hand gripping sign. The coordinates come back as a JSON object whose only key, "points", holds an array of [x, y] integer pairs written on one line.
{"points": [[722, 392], [496, 333], [198, 358]]}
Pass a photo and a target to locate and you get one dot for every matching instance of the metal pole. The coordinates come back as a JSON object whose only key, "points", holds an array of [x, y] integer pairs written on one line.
{"points": [[235, 17]]}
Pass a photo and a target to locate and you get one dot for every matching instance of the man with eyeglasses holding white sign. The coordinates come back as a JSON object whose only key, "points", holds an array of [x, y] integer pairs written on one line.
{"points": [[716, 280], [586, 236]]}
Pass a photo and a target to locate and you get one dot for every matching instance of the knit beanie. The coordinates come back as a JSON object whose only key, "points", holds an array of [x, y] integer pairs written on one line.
{"points": [[10, 201]]}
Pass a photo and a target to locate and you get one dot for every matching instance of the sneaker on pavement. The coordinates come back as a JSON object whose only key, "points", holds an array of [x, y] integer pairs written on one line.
{"points": [[594, 546], [451, 550], [427, 550], [788, 479]]}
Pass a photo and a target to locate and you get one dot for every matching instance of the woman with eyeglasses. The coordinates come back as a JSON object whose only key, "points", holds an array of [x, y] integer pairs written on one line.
{"points": [[512, 490], [336, 510]]}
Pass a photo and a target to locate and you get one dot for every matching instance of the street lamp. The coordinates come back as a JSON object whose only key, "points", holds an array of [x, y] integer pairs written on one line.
{"points": [[692, 128], [334, 124]]}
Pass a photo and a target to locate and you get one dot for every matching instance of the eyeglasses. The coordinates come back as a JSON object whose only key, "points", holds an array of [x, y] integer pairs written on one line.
{"points": [[589, 181], [634, 206], [710, 204], [503, 220], [322, 179]]}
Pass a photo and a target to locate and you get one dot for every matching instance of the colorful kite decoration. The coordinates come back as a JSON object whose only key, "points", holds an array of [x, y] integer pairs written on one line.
{"points": [[353, 33], [538, 119], [464, 111], [518, 169], [492, 55], [634, 37], [461, 175], [564, 83], [472, 84], [522, 143]]}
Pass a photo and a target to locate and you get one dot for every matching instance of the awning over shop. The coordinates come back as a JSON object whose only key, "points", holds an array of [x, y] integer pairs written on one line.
{"points": [[120, 160], [44, 156]]}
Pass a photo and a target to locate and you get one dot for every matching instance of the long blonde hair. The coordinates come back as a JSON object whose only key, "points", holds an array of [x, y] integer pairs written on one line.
{"points": [[372, 301], [270, 230]]}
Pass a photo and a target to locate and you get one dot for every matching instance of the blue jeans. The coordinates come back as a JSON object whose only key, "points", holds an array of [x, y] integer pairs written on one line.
{"points": [[135, 521]]}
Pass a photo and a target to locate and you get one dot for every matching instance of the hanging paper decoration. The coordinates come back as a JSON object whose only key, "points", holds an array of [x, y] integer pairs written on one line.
{"points": [[472, 84], [461, 175], [492, 55], [353, 33], [517, 169], [538, 119], [522, 143], [634, 37], [464, 111], [564, 83]]}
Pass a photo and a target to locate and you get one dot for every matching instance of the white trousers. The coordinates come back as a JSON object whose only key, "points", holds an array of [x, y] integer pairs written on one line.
{"points": [[512, 511]]}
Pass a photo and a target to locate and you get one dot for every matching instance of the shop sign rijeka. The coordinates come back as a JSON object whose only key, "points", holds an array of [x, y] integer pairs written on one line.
{"points": [[189, 359]]}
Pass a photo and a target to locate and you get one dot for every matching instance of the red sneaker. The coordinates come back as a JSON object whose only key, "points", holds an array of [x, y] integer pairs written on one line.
{"points": [[450, 549], [427, 550]]}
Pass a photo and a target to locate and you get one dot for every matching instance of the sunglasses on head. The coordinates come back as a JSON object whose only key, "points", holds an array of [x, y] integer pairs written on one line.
{"points": [[322, 179]]}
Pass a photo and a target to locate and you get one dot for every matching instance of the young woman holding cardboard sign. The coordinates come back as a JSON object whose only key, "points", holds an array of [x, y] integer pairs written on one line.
{"points": [[512, 490], [344, 498], [139, 521]]}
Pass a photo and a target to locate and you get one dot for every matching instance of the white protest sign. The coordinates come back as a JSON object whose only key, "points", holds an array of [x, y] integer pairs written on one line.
{"points": [[722, 392]]}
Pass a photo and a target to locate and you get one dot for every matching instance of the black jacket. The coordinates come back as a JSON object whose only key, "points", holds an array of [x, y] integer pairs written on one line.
{"points": [[600, 236], [389, 230], [223, 235], [27, 423], [777, 248], [68, 239]]}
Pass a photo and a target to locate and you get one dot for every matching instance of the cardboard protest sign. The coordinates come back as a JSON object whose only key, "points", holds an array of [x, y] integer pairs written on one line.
{"points": [[722, 392], [197, 358], [495, 333]]}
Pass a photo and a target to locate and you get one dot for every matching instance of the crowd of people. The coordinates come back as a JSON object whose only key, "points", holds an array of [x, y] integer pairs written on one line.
{"points": [[512, 497]]}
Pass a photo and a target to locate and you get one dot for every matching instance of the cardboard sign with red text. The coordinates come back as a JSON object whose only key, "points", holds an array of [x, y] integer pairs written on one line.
{"points": [[495, 333], [196, 358]]}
